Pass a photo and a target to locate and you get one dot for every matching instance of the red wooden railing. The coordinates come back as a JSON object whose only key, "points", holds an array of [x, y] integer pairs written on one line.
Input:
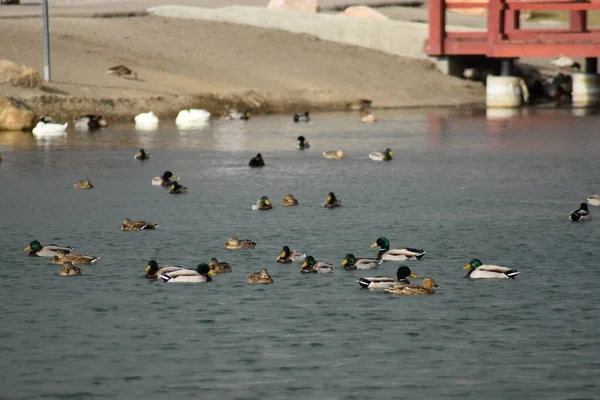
{"points": [[505, 38]]}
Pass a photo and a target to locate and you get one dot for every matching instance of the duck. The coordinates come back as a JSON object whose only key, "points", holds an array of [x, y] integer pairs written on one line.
{"points": [[387, 254], [311, 266], [129, 225], [237, 115], [289, 200], [414, 290], [259, 277], [68, 269], [176, 188], [122, 71], [351, 262], [46, 128], [147, 120], [383, 282], [334, 154], [141, 155], [153, 270], [192, 118], [332, 201], [234, 243], [288, 256], [366, 116], [219, 267], [47, 250], [201, 274], [256, 161], [262, 204], [62, 257], [302, 143], [304, 117], [477, 270], [566, 63], [581, 214], [164, 180], [83, 184], [593, 200], [361, 104], [90, 122], [386, 155]]}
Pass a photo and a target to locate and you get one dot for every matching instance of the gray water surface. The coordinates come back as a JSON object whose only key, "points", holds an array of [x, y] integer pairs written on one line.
{"points": [[461, 186]]}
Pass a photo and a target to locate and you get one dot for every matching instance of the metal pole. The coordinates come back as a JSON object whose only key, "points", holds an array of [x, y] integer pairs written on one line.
{"points": [[46, 41]]}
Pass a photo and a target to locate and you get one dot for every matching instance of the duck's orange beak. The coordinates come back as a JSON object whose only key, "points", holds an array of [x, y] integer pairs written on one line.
{"points": [[344, 262], [467, 266], [148, 268], [374, 245], [413, 276], [211, 272], [27, 248], [304, 265]]}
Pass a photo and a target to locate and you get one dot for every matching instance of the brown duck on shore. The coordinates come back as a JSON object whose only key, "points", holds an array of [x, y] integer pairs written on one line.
{"points": [[122, 71], [83, 184]]}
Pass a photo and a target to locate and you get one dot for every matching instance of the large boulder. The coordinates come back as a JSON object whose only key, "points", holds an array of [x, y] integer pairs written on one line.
{"points": [[297, 5], [14, 115], [19, 75]]}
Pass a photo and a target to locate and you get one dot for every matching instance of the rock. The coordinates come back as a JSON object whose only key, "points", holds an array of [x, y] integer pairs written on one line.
{"points": [[363, 12], [296, 5], [14, 115], [19, 75]]}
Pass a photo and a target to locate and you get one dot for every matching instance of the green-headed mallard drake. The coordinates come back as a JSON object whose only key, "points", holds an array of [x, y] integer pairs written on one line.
{"points": [[122, 71], [302, 143], [234, 243], [477, 270], [184, 275], [366, 116], [83, 184], [334, 154], [142, 155], [237, 115], [289, 200], [288, 256], [256, 161], [351, 262], [304, 117], [90, 122], [68, 269], [62, 257], [414, 290], [129, 225], [47, 250], [332, 201], [259, 277], [262, 204], [581, 214], [593, 200], [384, 282], [219, 267], [311, 266], [164, 180], [176, 188], [387, 254], [386, 155], [153, 270]]}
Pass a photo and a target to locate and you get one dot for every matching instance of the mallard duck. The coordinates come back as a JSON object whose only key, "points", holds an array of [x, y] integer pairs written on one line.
{"points": [[219, 267], [192, 118], [304, 117], [141, 155], [592, 200], [68, 269], [47, 250], [164, 180], [334, 154], [484, 271], [153, 270], [234, 243], [62, 257], [83, 184], [414, 290], [332, 201], [351, 262], [176, 188], [262, 204], [383, 282], [122, 71], [566, 63], [259, 277], [288, 256], [129, 225], [381, 156], [311, 266], [387, 254], [49, 129], [302, 143], [365, 116], [581, 214], [237, 115], [289, 200], [256, 161], [90, 122], [184, 275], [147, 120]]}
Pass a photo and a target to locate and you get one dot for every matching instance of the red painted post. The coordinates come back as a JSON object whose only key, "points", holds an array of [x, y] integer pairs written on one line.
{"points": [[578, 21], [494, 26], [437, 27]]}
